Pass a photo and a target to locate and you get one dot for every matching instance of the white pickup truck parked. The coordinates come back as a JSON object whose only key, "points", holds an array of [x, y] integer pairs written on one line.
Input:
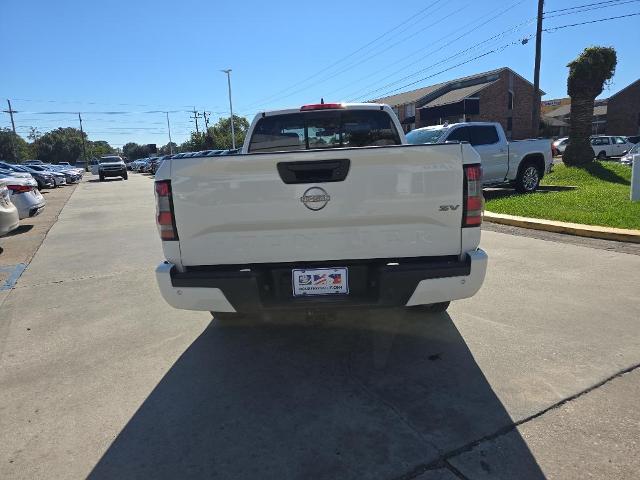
{"points": [[522, 163], [326, 206]]}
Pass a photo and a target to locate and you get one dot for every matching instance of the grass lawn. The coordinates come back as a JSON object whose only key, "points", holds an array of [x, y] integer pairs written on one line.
{"points": [[602, 197]]}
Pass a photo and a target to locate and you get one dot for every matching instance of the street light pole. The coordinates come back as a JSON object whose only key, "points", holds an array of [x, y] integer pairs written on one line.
{"points": [[233, 132], [169, 129]]}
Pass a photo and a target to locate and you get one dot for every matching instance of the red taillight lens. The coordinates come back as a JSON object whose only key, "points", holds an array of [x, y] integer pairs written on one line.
{"points": [[321, 106], [20, 188], [472, 214], [165, 218]]}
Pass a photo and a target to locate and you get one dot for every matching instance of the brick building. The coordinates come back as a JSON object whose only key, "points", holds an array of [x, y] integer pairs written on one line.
{"points": [[623, 111], [617, 115], [496, 96]]}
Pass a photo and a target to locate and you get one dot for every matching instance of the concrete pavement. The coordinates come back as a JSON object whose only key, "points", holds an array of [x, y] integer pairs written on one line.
{"points": [[99, 377]]}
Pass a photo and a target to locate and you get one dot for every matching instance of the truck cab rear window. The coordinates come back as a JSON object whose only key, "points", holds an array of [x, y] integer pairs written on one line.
{"points": [[323, 129]]}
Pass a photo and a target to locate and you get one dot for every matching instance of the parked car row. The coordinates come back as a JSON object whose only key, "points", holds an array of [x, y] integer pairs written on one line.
{"points": [[20, 187], [151, 164], [604, 146]]}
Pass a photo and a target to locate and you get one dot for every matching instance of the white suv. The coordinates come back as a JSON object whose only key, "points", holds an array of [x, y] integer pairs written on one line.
{"points": [[608, 146]]}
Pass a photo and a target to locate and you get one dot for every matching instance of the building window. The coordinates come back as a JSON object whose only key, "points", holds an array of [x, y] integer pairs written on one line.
{"points": [[409, 110], [510, 100]]}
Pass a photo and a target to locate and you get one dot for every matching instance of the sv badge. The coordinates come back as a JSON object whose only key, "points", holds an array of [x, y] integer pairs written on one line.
{"points": [[446, 208]]}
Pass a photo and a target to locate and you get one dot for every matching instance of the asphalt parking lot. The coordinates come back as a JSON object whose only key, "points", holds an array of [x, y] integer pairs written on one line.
{"points": [[535, 377]]}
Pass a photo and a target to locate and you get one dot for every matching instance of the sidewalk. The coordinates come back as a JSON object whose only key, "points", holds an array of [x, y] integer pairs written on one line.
{"points": [[591, 231]]}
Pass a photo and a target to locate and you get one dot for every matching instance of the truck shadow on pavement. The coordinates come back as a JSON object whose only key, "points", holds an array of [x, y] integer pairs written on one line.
{"points": [[379, 394]]}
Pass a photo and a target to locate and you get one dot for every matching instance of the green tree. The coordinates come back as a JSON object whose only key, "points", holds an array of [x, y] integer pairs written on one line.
{"points": [[166, 149], [588, 75], [99, 148], [221, 132], [134, 151], [195, 143], [60, 145], [34, 134], [13, 148]]}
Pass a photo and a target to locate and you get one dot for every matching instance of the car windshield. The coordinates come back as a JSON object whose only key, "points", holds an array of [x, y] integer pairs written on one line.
{"points": [[109, 159], [431, 135]]}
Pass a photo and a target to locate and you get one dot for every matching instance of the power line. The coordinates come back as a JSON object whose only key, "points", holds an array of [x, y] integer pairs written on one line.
{"points": [[550, 30], [584, 5], [438, 73], [339, 72], [337, 62], [492, 16], [366, 59], [553, 29], [429, 67], [588, 9], [81, 102]]}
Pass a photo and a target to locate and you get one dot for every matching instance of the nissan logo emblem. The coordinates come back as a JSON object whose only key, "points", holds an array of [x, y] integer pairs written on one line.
{"points": [[315, 198]]}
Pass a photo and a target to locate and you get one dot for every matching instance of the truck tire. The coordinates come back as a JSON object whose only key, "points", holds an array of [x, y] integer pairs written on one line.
{"points": [[432, 307], [125, 176], [528, 178], [602, 155], [102, 178]]}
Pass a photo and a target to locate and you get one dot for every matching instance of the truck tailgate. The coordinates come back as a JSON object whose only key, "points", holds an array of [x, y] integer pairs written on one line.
{"points": [[398, 201]]}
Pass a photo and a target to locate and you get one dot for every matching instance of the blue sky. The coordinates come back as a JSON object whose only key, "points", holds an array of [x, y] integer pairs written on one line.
{"points": [[117, 60]]}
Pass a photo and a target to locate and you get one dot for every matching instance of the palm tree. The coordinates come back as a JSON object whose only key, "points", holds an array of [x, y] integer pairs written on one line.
{"points": [[587, 76]]}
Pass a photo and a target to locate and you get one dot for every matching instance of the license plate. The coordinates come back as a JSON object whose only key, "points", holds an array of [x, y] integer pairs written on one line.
{"points": [[320, 281]]}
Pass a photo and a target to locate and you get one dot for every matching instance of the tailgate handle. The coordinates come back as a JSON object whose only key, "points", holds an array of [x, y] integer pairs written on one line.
{"points": [[317, 171]]}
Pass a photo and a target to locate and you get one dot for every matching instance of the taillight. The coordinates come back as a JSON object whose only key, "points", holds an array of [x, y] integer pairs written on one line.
{"points": [[165, 218], [472, 213], [321, 106], [20, 188]]}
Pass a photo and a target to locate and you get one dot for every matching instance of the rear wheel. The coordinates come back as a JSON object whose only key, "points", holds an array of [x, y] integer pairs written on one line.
{"points": [[528, 178], [602, 155]]}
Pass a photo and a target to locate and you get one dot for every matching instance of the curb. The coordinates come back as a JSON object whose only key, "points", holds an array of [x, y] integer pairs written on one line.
{"points": [[591, 231]]}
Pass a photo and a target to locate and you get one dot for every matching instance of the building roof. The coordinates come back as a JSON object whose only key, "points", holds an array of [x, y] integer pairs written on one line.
{"points": [[565, 110], [631, 85], [409, 97], [414, 96], [454, 96]]}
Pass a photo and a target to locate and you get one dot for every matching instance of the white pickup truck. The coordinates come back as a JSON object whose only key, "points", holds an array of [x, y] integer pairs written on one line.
{"points": [[522, 163], [325, 206]]}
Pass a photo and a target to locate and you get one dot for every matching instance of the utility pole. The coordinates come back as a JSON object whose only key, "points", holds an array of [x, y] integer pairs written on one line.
{"points": [[535, 111], [169, 128], [11, 112], [84, 152], [196, 116], [13, 126], [206, 116], [233, 133]]}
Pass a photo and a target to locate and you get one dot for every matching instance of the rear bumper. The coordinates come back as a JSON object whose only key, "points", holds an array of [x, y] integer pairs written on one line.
{"points": [[9, 220], [373, 283]]}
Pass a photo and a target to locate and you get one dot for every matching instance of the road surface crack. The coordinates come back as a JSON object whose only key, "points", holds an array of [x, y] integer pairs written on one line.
{"points": [[443, 460]]}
